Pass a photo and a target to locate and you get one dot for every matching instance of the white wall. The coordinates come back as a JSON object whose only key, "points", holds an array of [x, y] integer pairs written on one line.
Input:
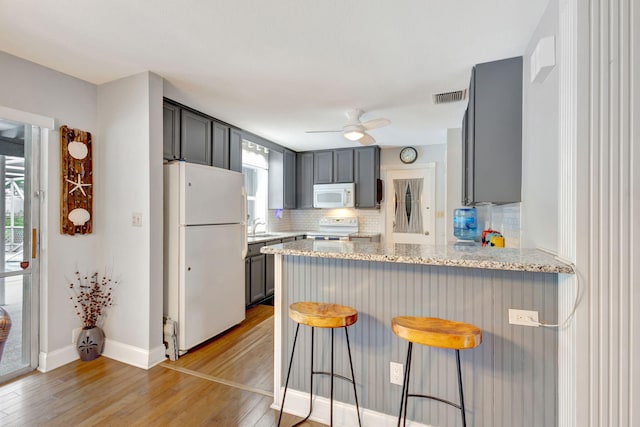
{"points": [[32, 88], [539, 207], [453, 178], [130, 115]]}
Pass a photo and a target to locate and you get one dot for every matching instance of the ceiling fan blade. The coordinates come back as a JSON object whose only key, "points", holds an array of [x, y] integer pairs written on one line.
{"points": [[376, 123], [367, 139], [322, 131]]}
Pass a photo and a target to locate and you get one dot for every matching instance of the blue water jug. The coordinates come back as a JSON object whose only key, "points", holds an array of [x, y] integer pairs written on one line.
{"points": [[465, 224]]}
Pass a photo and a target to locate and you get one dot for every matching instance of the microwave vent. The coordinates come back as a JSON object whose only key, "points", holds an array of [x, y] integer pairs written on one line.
{"points": [[447, 97]]}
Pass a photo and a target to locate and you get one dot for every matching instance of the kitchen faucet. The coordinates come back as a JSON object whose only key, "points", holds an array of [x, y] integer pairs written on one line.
{"points": [[254, 224]]}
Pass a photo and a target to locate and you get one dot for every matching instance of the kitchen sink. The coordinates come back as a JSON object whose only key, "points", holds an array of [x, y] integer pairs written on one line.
{"points": [[263, 235]]}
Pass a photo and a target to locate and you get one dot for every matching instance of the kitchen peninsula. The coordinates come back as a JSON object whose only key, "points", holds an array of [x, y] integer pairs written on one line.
{"points": [[510, 379]]}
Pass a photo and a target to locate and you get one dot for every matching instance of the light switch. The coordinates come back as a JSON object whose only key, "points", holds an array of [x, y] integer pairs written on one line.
{"points": [[136, 219]]}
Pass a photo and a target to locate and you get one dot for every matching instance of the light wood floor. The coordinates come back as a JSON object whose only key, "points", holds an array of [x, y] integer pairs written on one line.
{"points": [[225, 382]]}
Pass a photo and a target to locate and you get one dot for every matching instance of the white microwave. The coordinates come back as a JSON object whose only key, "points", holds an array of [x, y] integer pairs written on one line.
{"points": [[333, 195]]}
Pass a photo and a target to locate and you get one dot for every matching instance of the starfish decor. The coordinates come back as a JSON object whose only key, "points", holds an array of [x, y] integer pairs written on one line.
{"points": [[77, 185]]}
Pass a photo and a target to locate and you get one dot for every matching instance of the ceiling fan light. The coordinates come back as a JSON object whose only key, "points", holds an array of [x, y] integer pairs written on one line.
{"points": [[353, 133]]}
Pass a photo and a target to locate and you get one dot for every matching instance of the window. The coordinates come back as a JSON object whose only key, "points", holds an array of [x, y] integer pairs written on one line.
{"points": [[255, 168]]}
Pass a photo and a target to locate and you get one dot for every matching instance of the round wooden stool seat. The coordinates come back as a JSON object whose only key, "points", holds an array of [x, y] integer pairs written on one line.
{"points": [[322, 315], [435, 332]]}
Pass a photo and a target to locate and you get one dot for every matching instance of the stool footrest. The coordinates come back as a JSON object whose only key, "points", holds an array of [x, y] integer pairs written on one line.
{"points": [[448, 402], [334, 375]]}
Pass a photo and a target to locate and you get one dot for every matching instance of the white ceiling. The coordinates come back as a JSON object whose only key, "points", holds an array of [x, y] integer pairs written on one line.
{"points": [[280, 67]]}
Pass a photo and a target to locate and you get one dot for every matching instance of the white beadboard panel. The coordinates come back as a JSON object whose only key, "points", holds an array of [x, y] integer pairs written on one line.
{"points": [[510, 379], [604, 110]]}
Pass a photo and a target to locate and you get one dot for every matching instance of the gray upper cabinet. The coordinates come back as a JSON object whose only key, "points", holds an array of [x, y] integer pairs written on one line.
{"points": [[492, 144], [304, 180], [195, 137], [367, 173], [323, 167], [289, 183], [235, 149], [333, 166], [171, 131], [343, 165], [282, 175], [220, 146]]}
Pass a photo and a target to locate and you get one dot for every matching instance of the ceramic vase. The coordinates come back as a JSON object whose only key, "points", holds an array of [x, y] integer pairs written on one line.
{"points": [[90, 343]]}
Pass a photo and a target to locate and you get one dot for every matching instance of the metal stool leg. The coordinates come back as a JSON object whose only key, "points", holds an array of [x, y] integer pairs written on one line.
{"points": [[286, 384], [332, 377], [353, 377], [464, 420], [310, 382], [405, 387]]}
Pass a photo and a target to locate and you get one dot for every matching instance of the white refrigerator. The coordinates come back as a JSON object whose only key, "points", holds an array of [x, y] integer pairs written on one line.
{"points": [[205, 242]]}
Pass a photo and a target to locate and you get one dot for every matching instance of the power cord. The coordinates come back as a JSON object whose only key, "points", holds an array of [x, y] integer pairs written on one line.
{"points": [[562, 324]]}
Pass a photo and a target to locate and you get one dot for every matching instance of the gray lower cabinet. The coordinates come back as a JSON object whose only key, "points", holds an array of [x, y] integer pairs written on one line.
{"points": [[220, 146], [171, 131], [492, 144], [235, 149], [257, 283], [367, 174], [195, 138], [304, 180]]}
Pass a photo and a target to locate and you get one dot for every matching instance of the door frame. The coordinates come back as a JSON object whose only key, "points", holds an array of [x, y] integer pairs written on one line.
{"points": [[431, 167]]}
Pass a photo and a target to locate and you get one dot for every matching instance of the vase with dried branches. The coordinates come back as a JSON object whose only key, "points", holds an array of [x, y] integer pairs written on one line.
{"points": [[91, 296]]}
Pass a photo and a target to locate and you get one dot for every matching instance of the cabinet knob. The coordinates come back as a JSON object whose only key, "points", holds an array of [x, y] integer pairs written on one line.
{"points": [[188, 268]]}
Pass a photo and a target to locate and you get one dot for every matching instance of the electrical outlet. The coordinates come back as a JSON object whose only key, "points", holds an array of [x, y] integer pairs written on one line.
{"points": [[396, 373], [523, 317], [74, 335], [136, 219]]}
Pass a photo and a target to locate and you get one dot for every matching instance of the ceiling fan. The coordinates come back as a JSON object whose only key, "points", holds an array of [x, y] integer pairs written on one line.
{"points": [[355, 130]]}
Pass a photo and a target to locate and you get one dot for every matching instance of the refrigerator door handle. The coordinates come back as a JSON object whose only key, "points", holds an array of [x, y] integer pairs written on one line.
{"points": [[243, 194]]}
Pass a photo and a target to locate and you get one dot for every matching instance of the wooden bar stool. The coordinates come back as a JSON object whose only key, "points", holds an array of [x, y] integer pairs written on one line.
{"points": [[320, 315], [434, 332]]}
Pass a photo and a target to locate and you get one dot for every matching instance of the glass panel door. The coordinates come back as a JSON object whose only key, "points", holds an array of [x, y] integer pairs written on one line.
{"points": [[19, 145]]}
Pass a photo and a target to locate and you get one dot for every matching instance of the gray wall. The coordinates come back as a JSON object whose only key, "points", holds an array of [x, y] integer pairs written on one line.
{"points": [[510, 379], [539, 209]]}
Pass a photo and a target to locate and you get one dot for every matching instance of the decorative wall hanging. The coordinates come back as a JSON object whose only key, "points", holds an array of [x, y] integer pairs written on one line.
{"points": [[76, 182]]}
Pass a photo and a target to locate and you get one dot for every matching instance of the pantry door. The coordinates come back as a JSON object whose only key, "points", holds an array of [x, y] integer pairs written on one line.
{"points": [[410, 205]]}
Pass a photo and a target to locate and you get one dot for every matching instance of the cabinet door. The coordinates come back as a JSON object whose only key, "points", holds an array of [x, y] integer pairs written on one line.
{"points": [[323, 167], [235, 150], [343, 165], [289, 177], [496, 145], [220, 154], [171, 131], [367, 170], [304, 181], [257, 278], [195, 137], [247, 281]]}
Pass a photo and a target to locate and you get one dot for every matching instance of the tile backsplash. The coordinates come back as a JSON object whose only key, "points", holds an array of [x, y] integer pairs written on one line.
{"points": [[371, 220], [502, 218]]}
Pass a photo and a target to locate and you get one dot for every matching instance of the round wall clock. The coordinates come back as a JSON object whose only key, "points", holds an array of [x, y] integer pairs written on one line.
{"points": [[408, 155]]}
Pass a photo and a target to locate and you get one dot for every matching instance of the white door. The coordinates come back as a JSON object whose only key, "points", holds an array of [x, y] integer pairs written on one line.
{"points": [[407, 208]]}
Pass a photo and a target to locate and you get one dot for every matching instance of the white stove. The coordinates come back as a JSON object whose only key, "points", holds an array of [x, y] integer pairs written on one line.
{"points": [[334, 228]]}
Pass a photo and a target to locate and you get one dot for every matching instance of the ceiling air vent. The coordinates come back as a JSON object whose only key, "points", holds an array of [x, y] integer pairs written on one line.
{"points": [[446, 97]]}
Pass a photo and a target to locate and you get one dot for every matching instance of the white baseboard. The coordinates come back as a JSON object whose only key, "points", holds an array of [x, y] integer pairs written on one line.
{"points": [[132, 355], [344, 414], [54, 359], [124, 353]]}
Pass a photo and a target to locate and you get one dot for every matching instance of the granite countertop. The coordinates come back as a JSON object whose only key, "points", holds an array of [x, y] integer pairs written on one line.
{"points": [[532, 260], [265, 237]]}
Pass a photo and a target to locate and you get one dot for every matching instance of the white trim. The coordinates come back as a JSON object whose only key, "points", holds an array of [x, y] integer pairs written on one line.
{"points": [[132, 355], [278, 298], [54, 359], [26, 117], [344, 414]]}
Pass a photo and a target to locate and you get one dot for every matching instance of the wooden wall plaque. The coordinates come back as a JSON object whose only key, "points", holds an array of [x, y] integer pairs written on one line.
{"points": [[76, 182]]}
